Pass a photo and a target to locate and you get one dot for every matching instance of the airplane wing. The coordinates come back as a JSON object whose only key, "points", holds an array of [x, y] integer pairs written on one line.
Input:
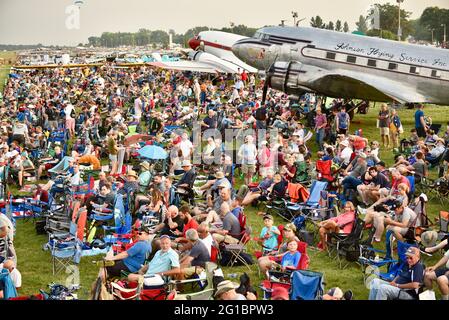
{"points": [[186, 65], [242, 65], [346, 83]]}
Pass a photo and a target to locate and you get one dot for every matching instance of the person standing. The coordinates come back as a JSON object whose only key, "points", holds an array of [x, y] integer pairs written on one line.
{"points": [[113, 152], [384, 125], [320, 125], [395, 128], [420, 123], [342, 121], [248, 154]]}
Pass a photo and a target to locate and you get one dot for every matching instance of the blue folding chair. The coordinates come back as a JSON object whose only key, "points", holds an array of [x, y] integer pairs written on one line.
{"points": [[306, 285]]}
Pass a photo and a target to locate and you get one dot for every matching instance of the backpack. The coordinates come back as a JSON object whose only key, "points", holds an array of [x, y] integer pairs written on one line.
{"points": [[342, 120]]}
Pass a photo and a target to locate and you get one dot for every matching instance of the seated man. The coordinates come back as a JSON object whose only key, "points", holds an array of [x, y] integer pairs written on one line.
{"points": [[369, 191], [187, 179], [210, 215], [105, 200], [173, 222], [397, 178], [14, 273], [130, 260], [436, 152], [164, 263], [131, 184], [195, 260], [212, 185], [405, 286], [354, 174], [50, 162], [230, 232], [439, 272], [261, 191], [144, 177], [189, 223]]}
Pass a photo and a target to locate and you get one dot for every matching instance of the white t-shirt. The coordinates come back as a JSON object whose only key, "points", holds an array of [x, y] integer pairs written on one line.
{"points": [[68, 110], [346, 155], [447, 256], [208, 242], [186, 146], [248, 152], [16, 278]]}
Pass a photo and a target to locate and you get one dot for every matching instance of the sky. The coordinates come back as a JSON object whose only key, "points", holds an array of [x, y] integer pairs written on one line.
{"points": [[46, 21]]}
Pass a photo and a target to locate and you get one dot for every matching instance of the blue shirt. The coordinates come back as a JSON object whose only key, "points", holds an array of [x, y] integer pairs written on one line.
{"points": [[136, 255], [272, 242], [418, 115], [291, 260], [163, 261]]}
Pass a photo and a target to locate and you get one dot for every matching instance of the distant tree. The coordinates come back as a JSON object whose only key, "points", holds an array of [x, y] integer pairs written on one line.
{"points": [[338, 26], [330, 26], [160, 36], [317, 22], [386, 34], [361, 25], [389, 19], [432, 18], [346, 27]]}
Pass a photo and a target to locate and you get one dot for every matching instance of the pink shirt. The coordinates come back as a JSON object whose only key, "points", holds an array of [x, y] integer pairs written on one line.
{"points": [[346, 220]]}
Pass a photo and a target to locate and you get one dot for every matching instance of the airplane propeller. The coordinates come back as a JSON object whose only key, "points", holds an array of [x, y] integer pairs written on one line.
{"points": [[268, 75]]}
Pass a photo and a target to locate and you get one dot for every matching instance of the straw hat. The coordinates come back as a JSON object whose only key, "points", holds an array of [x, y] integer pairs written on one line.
{"points": [[225, 286], [219, 175], [145, 165], [132, 173]]}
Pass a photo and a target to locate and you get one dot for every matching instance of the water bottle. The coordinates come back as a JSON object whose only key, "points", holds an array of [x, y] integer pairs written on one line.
{"points": [[376, 258]]}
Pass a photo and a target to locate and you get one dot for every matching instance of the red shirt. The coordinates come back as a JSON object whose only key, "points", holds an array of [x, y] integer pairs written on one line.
{"points": [[397, 182], [192, 224]]}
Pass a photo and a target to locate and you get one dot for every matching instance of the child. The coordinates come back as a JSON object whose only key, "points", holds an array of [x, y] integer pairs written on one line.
{"points": [[269, 234], [290, 260], [413, 137]]}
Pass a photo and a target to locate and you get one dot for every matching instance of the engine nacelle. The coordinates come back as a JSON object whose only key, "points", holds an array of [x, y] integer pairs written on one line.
{"points": [[285, 76]]}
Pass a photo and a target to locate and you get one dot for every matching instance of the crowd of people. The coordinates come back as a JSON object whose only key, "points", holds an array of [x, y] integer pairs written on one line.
{"points": [[262, 147]]}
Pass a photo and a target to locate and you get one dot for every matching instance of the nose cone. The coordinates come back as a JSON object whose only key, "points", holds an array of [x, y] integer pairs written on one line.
{"points": [[250, 52], [194, 43]]}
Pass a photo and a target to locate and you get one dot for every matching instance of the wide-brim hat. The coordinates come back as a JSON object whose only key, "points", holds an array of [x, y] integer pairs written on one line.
{"points": [[225, 286], [132, 173], [429, 238], [186, 163], [145, 165], [219, 175]]}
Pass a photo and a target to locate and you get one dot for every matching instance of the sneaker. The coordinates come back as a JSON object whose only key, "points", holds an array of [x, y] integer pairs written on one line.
{"points": [[361, 210]]}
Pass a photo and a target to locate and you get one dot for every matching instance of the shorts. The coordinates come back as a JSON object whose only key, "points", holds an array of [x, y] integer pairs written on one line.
{"points": [[421, 132], [190, 271], [342, 131], [384, 131], [49, 166], [248, 168], [113, 157], [70, 124], [442, 272], [117, 268]]}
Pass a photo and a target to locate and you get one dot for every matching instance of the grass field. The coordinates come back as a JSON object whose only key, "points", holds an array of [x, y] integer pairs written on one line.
{"points": [[35, 264], [8, 56]]}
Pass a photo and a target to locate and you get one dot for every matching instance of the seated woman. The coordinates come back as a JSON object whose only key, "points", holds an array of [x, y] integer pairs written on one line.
{"points": [[153, 207], [343, 223], [50, 162], [267, 262]]}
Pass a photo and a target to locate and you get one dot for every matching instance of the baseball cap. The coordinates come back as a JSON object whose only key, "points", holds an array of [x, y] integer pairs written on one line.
{"points": [[412, 251], [336, 293], [268, 216], [290, 227], [396, 204], [423, 196]]}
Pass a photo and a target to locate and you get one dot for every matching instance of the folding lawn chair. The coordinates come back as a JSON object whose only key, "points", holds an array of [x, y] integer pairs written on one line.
{"points": [[306, 285], [444, 224], [237, 249], [64, 252]]}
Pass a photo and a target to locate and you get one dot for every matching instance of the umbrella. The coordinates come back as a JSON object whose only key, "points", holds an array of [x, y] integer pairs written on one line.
{"points": [[136, 138], [153, 152]]}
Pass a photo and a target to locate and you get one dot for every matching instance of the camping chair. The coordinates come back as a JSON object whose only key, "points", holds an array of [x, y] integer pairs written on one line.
{"points": [[306, 285], [314, 208], [371, 262], [9, 290], [238, 248], [82, 191], [63, 253], [324, 169], [346, 245], [302, 175], [444, 224]]}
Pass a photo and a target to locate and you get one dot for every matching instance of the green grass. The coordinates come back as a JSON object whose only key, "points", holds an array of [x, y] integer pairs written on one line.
{"points": [[4, 68], [35, 264]]}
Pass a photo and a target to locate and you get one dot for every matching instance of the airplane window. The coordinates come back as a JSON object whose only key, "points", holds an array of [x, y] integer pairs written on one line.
{"points": [[414, 70], [392, 66], [436, 74], [330, 55], [351, 59], [372, 63]]}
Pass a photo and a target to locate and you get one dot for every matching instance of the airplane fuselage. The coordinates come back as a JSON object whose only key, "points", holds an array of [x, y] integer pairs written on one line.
{"points": [[321, 60]]}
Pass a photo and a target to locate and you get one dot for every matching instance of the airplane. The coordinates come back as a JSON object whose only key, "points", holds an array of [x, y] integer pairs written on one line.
{"points": [[211, 54], [340, 65]]}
